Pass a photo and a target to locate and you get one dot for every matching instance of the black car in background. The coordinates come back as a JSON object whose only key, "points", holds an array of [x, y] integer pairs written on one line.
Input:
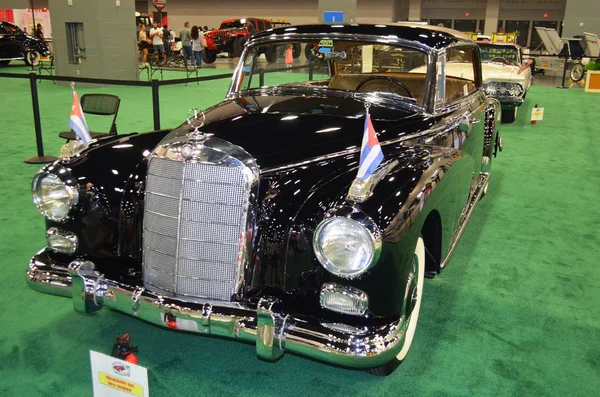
{"points": [[15, 45]]}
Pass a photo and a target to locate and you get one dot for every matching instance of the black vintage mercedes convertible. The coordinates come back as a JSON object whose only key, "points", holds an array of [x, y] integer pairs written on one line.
{"points": [[248, 221]]}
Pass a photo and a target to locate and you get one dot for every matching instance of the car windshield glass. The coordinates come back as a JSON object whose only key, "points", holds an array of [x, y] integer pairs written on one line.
{"points": [[340, 65], [499, 53], [237, 24]]}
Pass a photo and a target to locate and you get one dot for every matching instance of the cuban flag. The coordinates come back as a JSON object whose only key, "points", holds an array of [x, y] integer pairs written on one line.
{"points": [[370, 154], [78, 123]]}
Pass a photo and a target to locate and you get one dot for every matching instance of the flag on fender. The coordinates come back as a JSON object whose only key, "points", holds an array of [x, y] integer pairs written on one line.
{"points": [[370, 154], [77, 122]]}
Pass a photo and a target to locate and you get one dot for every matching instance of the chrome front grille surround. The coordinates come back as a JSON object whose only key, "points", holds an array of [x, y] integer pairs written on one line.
{"points": [[198, 217]]}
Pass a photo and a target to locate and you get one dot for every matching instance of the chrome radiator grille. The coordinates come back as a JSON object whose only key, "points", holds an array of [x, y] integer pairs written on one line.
{"points": [[194, 220]]}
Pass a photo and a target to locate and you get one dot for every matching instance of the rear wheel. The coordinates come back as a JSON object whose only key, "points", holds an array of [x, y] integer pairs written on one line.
{"points": [[412, 304], [238, 46], [209, 56], [32, 58], [509, 115], [296, 50], [308, 50], [577, 72]]}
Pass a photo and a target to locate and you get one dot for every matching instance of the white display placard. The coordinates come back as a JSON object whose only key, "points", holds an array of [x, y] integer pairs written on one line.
{"points": [[367, 58], [112, 377], [537, 114]]}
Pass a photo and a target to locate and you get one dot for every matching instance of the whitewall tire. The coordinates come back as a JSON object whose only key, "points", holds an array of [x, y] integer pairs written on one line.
{"points": [[412, 301]]}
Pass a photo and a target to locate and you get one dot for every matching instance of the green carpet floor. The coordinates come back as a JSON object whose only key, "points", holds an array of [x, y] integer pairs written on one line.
{"points": [[516, 313]]}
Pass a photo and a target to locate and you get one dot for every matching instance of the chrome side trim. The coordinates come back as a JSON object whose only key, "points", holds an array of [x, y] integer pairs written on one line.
{"points": [[474, 197], [268, 325]]}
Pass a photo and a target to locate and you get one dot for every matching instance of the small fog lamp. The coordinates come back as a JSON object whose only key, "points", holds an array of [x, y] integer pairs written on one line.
{"points": [[344, 299]]}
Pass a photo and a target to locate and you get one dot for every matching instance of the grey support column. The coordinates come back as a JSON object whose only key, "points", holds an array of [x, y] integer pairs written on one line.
{"points": [[334, 7], [581, 16], [491, 16], [414, 10], [105, 33]]}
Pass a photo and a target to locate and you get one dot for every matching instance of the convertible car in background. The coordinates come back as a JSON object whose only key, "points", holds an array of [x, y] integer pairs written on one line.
{"points": [[249, 221]]}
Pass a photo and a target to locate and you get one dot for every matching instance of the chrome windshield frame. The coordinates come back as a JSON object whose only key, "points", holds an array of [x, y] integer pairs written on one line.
{"points": [[430, 80]]}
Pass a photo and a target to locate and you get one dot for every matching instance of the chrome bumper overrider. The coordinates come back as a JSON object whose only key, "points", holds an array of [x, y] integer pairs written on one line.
{"points": [[268, 325]]}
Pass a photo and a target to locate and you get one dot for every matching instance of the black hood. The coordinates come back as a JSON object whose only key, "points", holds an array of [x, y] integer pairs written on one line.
{"points": [[279, 130]]}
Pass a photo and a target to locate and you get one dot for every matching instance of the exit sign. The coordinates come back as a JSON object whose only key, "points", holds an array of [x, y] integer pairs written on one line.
{"points": [[333, 16], [159, 4]]}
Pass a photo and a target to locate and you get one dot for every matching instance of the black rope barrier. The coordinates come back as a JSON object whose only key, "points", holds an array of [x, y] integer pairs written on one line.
{"points": [[154, 84]]}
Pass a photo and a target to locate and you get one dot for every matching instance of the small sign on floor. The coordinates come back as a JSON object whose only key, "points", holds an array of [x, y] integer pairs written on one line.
{"points": [[112, 377], [537, 114]]}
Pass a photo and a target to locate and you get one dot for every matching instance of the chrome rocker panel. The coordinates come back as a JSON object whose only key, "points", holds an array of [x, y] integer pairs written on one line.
{"points": [[268, 325]]}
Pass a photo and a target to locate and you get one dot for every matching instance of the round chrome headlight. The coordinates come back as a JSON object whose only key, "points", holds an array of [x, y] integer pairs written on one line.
{"points": [[515, 90], [345, 247], [490, 89], [53, 197]]}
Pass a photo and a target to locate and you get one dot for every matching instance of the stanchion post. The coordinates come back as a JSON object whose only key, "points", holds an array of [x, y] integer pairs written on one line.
{"points": [[310, 70], [564, 73], [40, 158], [261, 77], [155, 104]]}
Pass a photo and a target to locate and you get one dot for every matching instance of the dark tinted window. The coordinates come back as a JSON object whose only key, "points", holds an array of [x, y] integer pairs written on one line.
{"points": [[260, 24], [522, 30], [465, 25], [446, 22], [2, 30]]}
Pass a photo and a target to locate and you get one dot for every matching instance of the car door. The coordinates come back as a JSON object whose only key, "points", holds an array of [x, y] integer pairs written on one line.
{"points": [[5, 43], [464, 101], [15, 42]]}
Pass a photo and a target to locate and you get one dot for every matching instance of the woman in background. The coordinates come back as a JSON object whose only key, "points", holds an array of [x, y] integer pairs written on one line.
{"points": [[197, 46]]}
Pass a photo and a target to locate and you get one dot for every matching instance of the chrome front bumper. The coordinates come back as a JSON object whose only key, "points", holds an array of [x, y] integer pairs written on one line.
{"points": [[268, 325]]}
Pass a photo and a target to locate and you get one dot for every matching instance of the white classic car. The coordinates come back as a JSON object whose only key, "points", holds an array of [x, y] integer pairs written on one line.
{"points": [[505, 75]]}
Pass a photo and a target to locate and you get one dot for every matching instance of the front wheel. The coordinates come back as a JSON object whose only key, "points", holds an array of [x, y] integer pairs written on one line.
{"points": [[32, 58], [271, 54], [412, 303], [509, 115]]}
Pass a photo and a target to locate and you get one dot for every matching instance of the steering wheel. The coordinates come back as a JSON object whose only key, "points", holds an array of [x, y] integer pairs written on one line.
{"points": [[502, 60], [385, 78]]}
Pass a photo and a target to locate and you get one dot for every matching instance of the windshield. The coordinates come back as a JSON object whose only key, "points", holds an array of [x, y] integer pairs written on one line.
{"points": [[340, 65], [499, 53], [237, 24]]}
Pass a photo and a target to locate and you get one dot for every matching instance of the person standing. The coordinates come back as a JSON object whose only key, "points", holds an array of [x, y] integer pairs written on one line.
{"points": [[197, 45], [166, 39], [156, 37], [144, 43], [39, 33], [186, 41]]}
